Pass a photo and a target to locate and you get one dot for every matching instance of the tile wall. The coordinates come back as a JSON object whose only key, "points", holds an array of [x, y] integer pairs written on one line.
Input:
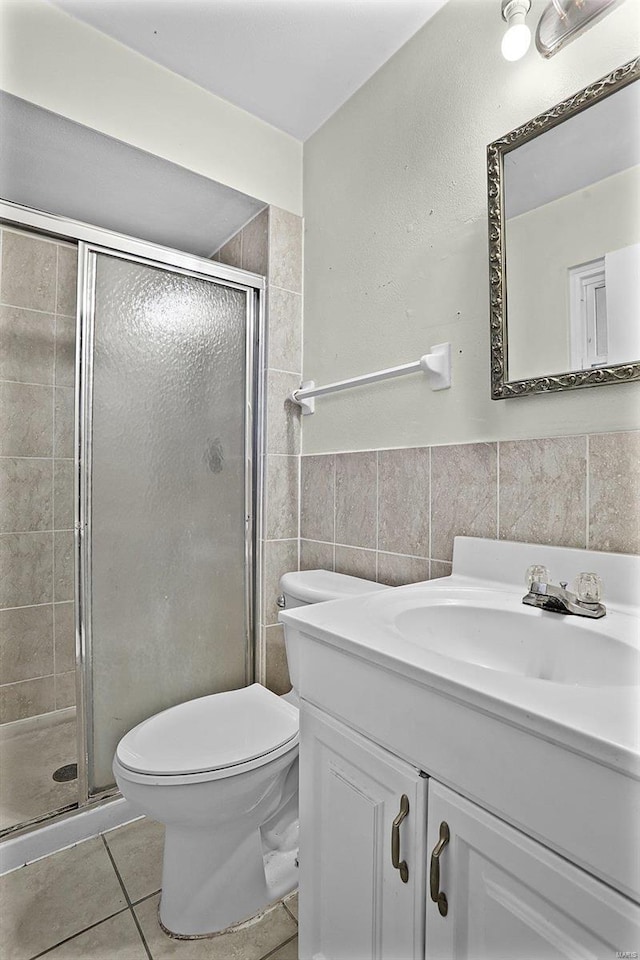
{"points": [[37, 369], [392, 515], [387, 515], [271, 244]]}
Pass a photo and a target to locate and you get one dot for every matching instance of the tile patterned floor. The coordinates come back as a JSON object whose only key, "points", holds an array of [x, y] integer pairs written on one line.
{"points": [[99, 900]]}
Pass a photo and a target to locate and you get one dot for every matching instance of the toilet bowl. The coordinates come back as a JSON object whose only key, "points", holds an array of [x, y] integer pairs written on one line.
{"points": [[221, 772]]}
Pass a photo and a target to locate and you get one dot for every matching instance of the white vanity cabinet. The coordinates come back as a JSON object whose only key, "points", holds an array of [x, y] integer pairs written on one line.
{"points": [[529, 719], [509, 896], [354, 903]]}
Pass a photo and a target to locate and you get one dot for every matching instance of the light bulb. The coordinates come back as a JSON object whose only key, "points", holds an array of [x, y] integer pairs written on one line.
{"points": [[516, 41]]}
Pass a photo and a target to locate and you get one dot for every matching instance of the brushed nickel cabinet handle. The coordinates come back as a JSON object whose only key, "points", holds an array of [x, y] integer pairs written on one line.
{"points": [[395, 840], [436, 895]]}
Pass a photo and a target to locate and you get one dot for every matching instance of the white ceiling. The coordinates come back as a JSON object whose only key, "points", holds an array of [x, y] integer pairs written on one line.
{"points": [[290, 62]]}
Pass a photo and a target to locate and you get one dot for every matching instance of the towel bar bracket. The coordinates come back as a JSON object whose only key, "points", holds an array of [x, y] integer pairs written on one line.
{"points": [[307, 404]]}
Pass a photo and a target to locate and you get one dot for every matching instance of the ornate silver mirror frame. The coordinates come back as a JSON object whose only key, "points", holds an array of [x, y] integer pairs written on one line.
{"points": [[501, 387]]}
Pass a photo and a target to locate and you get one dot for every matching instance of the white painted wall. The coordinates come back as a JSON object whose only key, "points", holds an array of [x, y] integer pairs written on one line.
{"points": [[59, 63], [396, 235], [542, 245]]}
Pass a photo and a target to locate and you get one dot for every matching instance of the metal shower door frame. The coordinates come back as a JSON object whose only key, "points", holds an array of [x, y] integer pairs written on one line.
{"points": [[88, 256], [91, 238]]}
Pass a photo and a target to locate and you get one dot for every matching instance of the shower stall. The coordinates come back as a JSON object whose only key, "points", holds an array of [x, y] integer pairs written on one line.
{"points": [[146, 561]]}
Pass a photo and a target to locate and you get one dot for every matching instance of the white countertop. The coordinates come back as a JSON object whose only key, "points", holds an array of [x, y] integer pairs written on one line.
{"points": [[599, 722]]}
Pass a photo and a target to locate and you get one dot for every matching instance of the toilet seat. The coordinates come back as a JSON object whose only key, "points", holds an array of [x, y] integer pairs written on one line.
{"points": [[217, 736]]}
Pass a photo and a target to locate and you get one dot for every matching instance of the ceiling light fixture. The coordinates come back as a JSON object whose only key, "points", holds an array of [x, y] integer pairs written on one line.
{"points": [[517, 39]]}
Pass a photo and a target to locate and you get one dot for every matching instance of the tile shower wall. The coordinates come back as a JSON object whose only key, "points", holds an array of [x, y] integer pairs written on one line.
{"points": [[271, 244], [37, 369], [392, 515]]}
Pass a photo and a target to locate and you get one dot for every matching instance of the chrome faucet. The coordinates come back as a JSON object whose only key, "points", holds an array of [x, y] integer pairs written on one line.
{"points": [[585, 602]]}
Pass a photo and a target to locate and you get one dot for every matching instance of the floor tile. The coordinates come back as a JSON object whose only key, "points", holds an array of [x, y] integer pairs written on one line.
{"points": [[55, 898], [291, 903], [137, 851], [249, 943], [288, 952], [28, 759], [114, 939]]}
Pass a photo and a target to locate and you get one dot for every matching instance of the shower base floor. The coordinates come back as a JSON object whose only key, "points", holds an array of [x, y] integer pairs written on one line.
{"points": [[30, 753]]}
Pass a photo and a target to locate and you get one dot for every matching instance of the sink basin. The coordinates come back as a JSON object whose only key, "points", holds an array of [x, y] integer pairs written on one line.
{"points": [[503, 635]]}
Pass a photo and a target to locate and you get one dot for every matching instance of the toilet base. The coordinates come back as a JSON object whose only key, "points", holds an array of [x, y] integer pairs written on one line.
{"points": [[280, 879]]}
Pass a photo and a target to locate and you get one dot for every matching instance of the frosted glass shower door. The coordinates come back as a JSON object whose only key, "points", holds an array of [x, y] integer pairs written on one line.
{"points": [[167, 483]]}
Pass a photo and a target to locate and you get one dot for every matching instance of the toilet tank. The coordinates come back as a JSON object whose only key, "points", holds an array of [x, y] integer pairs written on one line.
{"points": [[298, 589]]}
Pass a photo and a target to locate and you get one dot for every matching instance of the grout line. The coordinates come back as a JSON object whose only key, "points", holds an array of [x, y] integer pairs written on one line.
{"points": [[291, 373], [79, 933], [351, 546], [19, 533], [45, 313], [142, 936], [26, 606], [377, 509], [430, 511], [16, 683], [296, 293], [30, 383], [335, 503], [117, 872], [148, 896], [53, 450], [295, 919], [280, 945], [55, 669], [587, 495], [392, 553], [126, 896], [469, 443]]}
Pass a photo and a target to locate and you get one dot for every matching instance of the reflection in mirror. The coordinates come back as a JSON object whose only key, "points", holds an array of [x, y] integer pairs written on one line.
{"points": [[572, 242], [564, 224]]}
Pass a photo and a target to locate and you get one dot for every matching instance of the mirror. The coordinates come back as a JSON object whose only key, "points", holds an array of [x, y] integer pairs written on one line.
{"points": [[564, 243]]}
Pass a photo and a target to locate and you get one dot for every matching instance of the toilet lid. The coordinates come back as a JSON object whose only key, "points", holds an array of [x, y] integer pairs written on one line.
{"points": [[210, 733]]}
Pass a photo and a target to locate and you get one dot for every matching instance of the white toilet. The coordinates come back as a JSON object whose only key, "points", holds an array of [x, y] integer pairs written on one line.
{"points": [[221, 773]]}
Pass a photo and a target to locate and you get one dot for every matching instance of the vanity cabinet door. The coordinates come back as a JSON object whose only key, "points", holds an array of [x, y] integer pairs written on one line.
{"points": [[354, 904], [511, 898]]}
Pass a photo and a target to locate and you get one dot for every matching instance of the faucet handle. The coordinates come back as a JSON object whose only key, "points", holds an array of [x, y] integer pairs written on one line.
{"points": [[536, 573], [588, 588]]}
